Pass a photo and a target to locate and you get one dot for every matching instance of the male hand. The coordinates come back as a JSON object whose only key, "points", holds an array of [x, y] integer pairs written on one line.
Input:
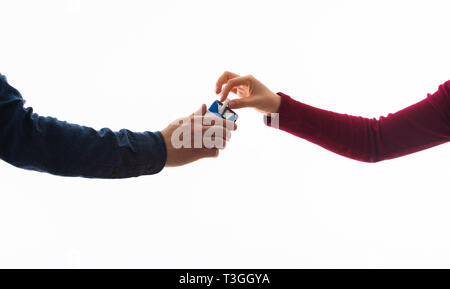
{"points": [[195, 137], [252, 93]]}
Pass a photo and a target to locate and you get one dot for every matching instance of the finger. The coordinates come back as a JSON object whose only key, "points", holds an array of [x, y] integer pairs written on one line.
{"points": [[222, 128], [200, 111], [235, 83], [220, 143], [224, 79], [214, 142], [241, 92], [217, 132], [213, 120], [241, 103], [207, 153]]}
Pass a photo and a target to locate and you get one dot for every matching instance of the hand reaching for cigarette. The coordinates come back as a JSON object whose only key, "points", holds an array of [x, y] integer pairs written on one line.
{"points": [[251, 92]]}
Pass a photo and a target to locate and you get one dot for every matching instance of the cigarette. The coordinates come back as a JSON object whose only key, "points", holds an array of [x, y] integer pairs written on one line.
{"points": [[224, 106]]}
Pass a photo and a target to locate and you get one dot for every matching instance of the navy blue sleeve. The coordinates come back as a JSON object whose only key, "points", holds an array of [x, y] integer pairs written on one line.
{"points": [[45, 144]]}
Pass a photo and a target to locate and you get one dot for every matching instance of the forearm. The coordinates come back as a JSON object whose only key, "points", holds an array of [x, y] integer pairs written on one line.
{"points": [[47, 144], [412, 129]]}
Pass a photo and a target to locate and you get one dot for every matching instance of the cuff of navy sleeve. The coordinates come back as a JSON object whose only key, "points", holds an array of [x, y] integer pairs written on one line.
{"points": [[163, 152], [159, 153], [152, 152]]}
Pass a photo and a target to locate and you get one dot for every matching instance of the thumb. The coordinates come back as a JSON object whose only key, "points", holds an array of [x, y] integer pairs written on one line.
{"points": [[210, 153], [201, 111], [241, 103]]}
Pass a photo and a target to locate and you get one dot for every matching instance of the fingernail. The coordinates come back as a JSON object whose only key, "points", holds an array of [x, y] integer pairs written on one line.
{"points": [[232, 104]]}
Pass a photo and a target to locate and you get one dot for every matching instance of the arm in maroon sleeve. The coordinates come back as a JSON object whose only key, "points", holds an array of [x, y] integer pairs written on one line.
{"points": [[417, 127]]}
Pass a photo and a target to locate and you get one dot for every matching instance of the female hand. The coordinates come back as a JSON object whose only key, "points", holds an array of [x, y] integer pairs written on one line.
{"points": [[252, 93]]}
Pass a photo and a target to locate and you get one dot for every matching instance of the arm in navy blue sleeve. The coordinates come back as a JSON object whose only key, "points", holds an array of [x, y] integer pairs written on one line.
{"points": [[45, 144]]}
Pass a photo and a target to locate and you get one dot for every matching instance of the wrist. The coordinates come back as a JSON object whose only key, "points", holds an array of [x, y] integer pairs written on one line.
{"points": [[275, 103]]}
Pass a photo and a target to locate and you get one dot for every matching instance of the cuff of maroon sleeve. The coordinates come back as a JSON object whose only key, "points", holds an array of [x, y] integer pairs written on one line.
{"points": [[275, 120]]}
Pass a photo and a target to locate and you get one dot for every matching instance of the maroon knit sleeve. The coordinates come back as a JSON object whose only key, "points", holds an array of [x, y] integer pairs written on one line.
{"points": [[417, 127]]}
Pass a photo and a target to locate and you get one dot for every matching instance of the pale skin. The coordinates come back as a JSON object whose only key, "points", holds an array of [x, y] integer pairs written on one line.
{"points": [[184, 155], [251, 93]]}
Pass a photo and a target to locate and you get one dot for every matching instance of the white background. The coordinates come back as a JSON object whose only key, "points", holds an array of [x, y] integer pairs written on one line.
{"points": [[270, 199]]}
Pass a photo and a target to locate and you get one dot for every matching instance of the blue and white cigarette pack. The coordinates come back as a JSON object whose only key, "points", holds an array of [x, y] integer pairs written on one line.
{"points": [[217, 106]]}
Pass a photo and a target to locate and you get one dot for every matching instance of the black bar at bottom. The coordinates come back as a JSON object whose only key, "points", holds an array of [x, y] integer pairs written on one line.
{"points": [[224, 278]]}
